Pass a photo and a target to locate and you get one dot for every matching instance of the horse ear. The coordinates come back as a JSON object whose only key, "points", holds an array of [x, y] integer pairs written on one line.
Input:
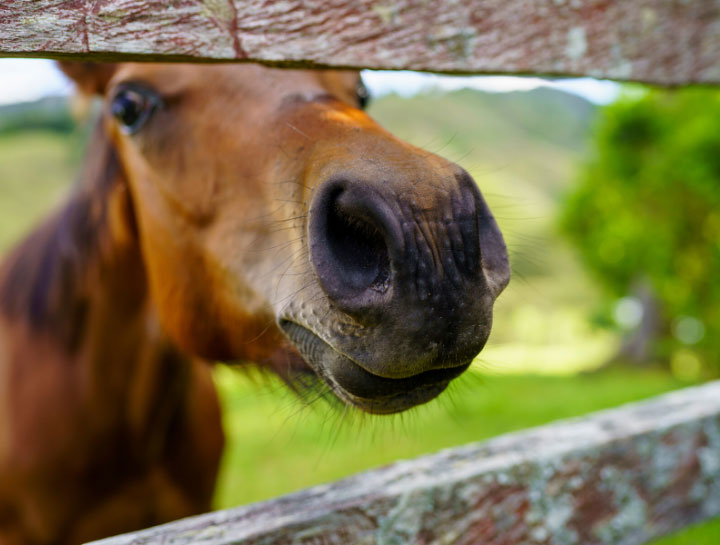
{"points": [[90, 78]]}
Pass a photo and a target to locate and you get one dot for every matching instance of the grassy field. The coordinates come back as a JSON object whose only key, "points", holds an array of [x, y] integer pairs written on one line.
{"points": [[35, 170], [286, 443], [527, 376]]}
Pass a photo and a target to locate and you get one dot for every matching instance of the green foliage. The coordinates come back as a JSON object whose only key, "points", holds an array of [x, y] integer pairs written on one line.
{"points": [[647, 208]]}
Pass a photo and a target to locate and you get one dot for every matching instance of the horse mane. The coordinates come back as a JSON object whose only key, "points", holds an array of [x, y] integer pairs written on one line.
{"points": [[46, 276]]}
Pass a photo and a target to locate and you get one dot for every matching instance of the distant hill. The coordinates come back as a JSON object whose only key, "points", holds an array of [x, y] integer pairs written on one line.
{"points": [[49, 114], [560, 117], [532, 137]]}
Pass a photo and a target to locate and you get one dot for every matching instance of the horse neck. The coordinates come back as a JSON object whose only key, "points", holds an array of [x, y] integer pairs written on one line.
{"points": [[74, 294]]}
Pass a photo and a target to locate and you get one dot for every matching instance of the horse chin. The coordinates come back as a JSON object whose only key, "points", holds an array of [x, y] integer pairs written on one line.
{"points": [[358, 387]]}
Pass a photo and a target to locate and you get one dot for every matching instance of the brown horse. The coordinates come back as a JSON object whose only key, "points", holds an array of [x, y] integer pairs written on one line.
{"points": [[236, 213]]}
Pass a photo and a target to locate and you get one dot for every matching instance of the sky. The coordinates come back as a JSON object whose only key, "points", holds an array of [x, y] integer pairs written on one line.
{"points": [[30, 79]]}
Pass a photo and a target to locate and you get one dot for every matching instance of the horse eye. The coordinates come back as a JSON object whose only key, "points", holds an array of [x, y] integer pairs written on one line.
{"points": [[363, 95], [133, 106]]}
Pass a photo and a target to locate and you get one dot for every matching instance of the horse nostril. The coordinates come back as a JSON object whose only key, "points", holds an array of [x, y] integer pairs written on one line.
{"points": [[349, 245], [358, 250]]}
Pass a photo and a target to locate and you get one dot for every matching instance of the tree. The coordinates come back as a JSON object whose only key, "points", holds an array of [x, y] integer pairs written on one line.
{"points": [[645, 216]]}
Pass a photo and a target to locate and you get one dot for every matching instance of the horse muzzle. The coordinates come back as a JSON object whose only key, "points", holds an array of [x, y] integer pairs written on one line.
{"points": [[407, 282]]}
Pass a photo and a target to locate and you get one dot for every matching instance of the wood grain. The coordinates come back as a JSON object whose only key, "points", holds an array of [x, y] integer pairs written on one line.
{"points": [[616, 477], [668, 42]]}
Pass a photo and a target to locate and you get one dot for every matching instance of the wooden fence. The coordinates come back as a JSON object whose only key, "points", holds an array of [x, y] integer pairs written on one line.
{"points": [[618, 477], [661, 41]]}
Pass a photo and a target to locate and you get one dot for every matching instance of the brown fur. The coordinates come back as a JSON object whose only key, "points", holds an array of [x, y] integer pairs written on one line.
{"points": [[107, 426]]}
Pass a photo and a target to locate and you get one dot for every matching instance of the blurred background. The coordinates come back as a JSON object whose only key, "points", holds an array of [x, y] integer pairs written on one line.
{"points": [[608, 196]]}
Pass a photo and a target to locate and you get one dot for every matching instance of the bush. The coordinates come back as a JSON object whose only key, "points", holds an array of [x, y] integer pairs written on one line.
{"points": [[646, 212]]}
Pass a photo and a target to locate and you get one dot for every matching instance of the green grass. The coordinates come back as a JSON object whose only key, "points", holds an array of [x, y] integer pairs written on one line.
{"points": [[278, 444], [36, 169], [707, 533]]}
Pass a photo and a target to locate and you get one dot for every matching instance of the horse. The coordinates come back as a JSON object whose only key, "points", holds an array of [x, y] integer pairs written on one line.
{"points": [[235, 213]]}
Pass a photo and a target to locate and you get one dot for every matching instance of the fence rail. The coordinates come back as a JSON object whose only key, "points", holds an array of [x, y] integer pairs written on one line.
{"points": [[617, 477], [668, 42]]}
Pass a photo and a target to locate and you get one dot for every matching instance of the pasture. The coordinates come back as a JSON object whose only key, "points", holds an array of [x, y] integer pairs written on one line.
{"points": [[279, 443]]}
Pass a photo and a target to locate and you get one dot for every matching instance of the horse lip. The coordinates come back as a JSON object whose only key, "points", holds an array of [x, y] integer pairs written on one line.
{"points": [[354, 384], [391, 404]]}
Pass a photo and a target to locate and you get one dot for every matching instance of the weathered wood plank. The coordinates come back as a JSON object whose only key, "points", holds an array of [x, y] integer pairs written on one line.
{"points": [[662, 41], [616, 477]]}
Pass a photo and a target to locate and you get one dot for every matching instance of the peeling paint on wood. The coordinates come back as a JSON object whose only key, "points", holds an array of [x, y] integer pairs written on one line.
{"points": [[662, 41], [617, 477]]}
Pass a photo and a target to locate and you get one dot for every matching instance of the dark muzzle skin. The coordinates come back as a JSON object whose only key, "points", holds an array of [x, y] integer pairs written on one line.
{"points": [[365, 390], [410, 272]]}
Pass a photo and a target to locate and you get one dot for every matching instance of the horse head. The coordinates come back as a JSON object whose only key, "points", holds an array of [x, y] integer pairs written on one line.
{"points": [[278, 223]]}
